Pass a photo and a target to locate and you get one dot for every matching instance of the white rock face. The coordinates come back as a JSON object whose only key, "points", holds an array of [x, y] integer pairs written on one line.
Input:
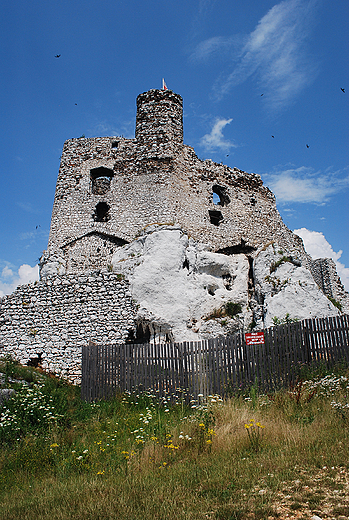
{"points": [[284, 288], [182, 289], [51, 265], [178, 284]]}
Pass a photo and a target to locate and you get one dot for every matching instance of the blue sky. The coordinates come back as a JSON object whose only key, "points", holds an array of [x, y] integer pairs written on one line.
{"points": [[260, 81]]}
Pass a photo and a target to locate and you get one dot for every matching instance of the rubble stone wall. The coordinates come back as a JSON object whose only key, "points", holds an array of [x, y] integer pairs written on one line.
{"points": [[57, 316], [326, 277], [159, 123], [155, 179]]}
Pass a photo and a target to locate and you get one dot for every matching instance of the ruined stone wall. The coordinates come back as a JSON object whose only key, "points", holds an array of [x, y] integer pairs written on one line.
{"points": [[159, 123], [326, 277], [59, 315], [109, 189]]}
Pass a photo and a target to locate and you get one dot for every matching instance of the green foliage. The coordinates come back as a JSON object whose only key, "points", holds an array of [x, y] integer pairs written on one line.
{"points": [[255, 433], [282, 260], [12, 369], [254, 394], [276, 282], [335, 303], [141, 456], [251, 325], [285, 320], [230, 309]]}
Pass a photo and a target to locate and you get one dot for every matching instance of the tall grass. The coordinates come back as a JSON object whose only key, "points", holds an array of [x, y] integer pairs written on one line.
{"points": [[137, 457]]}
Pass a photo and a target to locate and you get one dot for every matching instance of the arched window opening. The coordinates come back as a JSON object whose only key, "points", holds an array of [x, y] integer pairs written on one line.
{"points": [[220, 195], [101, 178], [101, 212]]}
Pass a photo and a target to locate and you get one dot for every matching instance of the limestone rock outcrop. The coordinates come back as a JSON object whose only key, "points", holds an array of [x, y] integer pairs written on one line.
{"points": [[185, 292], [285, 289]]}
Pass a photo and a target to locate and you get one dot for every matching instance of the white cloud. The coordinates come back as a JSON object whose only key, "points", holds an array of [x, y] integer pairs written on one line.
{"points": [[317, 246], [274, 53], [215, 139], [213, 46], [305, 185], [10, 280]]}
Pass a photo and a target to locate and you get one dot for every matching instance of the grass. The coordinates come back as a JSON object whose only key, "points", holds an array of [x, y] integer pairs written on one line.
{"points": [[138, 457], [229, 309]]}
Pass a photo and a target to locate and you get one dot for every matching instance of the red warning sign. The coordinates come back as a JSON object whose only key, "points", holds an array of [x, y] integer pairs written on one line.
{"points": [[254, 338]]}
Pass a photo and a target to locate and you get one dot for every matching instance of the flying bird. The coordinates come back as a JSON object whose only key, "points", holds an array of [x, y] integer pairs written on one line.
{"points": [[273, 136], [75, 103], [307, 145], [343, 90], [57, 56], [262, 95]]}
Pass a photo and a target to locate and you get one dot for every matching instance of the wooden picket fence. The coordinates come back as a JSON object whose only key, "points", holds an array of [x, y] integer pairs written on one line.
{"points": [[215, 366]]}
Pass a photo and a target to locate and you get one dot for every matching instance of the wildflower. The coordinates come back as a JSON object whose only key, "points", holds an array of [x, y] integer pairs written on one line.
{"points": [[85, 451], [201, 425], [54, 445], [100, 472]]}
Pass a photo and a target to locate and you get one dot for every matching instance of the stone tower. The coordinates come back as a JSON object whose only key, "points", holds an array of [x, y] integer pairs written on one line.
{"points": [[159, 123]]}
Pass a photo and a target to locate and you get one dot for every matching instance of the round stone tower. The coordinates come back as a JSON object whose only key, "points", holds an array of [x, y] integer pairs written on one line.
{"points": [[159, 123]]}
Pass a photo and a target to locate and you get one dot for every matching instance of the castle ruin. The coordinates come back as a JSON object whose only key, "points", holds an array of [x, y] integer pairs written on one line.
{"points": [[109, 192]]}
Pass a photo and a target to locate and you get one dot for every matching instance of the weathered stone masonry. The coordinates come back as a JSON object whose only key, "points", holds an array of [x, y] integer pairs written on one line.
{"points": [[111, 190], [57, 316]]}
